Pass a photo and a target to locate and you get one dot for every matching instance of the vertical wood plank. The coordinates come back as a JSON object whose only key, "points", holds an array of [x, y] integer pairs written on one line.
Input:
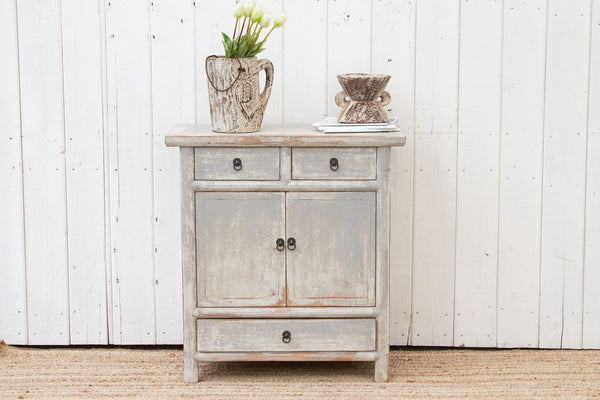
{"points": [[210, 19], [348, 44], [477, 173], [563, 210], [173, 102], [131, 171], [520, 200], [274, 52], [436, 103], [305, 77], [43, 146], [591, 300], [84, 133], [13, 316], [396, 19]]}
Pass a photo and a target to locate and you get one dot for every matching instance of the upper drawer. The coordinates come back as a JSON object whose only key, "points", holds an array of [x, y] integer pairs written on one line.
{"points": [[235, 163], [334, 163]]}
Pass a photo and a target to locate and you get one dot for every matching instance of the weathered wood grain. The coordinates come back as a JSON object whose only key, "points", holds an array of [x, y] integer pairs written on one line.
{"points": [[290, 186], [315, 163], [237, 105], [235, 335], [383, 265], [333, 263], [238, 262], [279, 136], [287, 312], [217, 164], [188, 265], [288, 356]]}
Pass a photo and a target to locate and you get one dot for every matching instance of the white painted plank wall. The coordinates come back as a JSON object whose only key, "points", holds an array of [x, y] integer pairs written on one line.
{"points": [[173, 102], [591, 300], [13, 306], [494, 197], [564, 170], [131, 167], [84, 145], [477, 166], [44, 178], [397, 19], [521, 150], [434, 215]]}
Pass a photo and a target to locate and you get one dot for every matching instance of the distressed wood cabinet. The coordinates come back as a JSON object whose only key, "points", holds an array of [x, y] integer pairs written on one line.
{"points": [[284, 245]]}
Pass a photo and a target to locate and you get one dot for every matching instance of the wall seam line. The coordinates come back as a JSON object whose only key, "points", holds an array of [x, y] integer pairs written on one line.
{"points": [[542, 181], [26, 318]]}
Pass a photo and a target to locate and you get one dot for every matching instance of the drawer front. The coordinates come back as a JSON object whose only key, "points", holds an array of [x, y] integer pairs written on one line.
{"points": [[238, 335], [234, 163], [334, 163]]}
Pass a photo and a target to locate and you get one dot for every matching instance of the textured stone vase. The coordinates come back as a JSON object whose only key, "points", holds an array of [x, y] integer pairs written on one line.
{"points": [[236, 103], [366, 98]]}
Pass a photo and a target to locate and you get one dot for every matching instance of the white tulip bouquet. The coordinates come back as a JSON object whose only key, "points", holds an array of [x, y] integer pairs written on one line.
{"points": [[254, 20]]}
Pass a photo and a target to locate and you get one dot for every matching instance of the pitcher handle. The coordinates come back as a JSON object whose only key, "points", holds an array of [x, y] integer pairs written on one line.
{"points": [[266, 93]]}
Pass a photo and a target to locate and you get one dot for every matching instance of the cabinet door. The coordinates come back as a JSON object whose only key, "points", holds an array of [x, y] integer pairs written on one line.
{"points": [[333, 263], [238, 263]]}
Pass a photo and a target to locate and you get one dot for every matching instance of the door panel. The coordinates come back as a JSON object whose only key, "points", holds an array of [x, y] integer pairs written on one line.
{"points": [[238, 262], [333, 263]]}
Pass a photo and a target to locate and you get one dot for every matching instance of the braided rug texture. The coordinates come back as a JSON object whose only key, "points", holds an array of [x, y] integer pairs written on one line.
{"points": [[157, 373]]}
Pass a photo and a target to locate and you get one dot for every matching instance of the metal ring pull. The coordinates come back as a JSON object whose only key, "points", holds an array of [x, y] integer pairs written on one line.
{"points": [[286, 336], [237, 164], [334, 164], [280, 243], [291, 243]]}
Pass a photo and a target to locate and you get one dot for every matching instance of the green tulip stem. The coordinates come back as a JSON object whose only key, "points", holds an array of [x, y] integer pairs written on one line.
{"points": [[235, 27], [263, 41], [241, 30]]}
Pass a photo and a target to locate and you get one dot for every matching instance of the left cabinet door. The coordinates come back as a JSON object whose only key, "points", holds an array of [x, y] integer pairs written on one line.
{"points": [[238, 263]]}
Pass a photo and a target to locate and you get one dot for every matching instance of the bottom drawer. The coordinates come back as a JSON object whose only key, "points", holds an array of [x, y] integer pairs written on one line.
{"points": [[242, 335]]}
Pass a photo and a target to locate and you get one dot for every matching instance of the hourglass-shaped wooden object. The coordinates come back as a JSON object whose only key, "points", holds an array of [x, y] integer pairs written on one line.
{"points": [[363, 98]]}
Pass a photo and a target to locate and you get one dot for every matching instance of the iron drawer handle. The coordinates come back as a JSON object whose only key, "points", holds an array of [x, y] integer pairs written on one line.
{"points": [[334, 164], [237, 164], [291, 243], [280, 243], [286, 336]]}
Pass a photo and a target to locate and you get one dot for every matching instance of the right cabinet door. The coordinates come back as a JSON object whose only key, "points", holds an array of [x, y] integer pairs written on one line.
{"points": [[333, 260]]}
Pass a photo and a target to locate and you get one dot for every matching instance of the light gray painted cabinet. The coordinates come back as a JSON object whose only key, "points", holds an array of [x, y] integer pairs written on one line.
{"points": [[285, 238]]}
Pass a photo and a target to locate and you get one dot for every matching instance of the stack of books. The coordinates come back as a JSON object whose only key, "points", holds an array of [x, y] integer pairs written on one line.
{"points": [[331, 125]]}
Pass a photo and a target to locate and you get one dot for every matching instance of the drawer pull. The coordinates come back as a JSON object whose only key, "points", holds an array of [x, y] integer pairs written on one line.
{"points": [[237, 164], [280, 243], [291, 243], [286, 336], [334, 164]]}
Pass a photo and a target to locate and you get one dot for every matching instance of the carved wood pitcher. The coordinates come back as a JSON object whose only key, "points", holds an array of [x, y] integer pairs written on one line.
{"points": [[236, 103]]}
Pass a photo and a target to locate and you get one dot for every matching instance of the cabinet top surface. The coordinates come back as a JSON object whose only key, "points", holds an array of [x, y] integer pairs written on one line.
{"points": [[278, 136]]}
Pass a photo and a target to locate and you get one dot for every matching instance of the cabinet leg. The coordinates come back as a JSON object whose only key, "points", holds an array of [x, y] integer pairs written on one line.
{"points": [[381, 368], [190, 370]]}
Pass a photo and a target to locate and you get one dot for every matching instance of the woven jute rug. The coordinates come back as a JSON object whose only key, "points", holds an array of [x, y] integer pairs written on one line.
{"points": [[157, 373]]}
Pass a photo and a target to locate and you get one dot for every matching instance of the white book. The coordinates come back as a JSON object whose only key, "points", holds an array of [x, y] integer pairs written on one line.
{"points": [[331, 125]]}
